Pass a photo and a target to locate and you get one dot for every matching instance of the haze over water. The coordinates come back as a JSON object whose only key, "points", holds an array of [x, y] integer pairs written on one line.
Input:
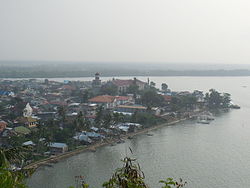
{"points": [[206, 156]]}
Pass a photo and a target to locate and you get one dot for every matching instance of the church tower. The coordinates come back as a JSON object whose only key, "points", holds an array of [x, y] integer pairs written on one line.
{"points": [[96, 83]]}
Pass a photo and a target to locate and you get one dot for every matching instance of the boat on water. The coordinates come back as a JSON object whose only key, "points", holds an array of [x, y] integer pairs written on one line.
{"points": [[120, 141], [203, 121], [235, 106], [112, 144]]}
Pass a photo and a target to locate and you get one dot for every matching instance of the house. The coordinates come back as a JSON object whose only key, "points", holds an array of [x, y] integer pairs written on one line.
{"points": [[29, 143], [96, 83], [3, 126], [106, 100], [121, 100], [26, 121], [130, 108], [123, 85], [22, 130], [58, 148], [167, 98]]}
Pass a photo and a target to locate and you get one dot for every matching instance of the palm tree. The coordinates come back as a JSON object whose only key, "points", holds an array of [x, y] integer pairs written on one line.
{"points": [[62, 112], [10, 177]]}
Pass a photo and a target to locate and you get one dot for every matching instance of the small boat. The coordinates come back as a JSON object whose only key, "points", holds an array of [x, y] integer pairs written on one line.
{"points": [[234, 106], [54, 161], [203, 121], [120, 141], [92, 149], [210, 118], [112, 144], [47, 165], [148, 134]]}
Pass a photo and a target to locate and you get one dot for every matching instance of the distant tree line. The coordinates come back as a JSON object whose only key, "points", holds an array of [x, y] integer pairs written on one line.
{"points": [[49, 71]]}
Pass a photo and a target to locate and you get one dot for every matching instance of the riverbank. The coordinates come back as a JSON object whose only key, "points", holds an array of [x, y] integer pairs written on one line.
{"points": [[57, 158]]}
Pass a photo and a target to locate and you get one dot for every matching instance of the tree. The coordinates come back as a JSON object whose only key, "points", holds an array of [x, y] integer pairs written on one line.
{"points": [[131, 176], [118, 117], [99, 116], [226, 99], [13, 178], [62, 112], [216, 100], [164, 87], [152, 84], [151, 98], [107, 120], [109, 89], [133, 89], [87, 94]]}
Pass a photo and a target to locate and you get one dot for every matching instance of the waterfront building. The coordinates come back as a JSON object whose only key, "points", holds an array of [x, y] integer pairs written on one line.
{"points": [[27, 112], [123, 85], [3, 126], [107, 101], [131, 108], [58, 148], [96, 83]]}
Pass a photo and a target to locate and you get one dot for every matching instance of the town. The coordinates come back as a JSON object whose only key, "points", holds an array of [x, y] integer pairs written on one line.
{"points": [[56, 118]]}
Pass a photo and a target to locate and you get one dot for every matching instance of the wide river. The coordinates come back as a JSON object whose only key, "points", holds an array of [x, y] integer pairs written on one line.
{"points": [[206, 156]]}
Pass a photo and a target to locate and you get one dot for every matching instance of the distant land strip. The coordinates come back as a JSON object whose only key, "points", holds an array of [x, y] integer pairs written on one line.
{"points": [[11, 72]]}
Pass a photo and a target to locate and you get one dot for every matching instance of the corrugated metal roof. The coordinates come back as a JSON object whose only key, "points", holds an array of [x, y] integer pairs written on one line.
{"points": [[58, 145]]}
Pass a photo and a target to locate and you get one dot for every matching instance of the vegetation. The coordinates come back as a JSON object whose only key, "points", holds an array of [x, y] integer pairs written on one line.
{"points": [[130, 175], [183, 102], [13, 177], [109, 89], [151, 98], [146, 119], [216, 100]]}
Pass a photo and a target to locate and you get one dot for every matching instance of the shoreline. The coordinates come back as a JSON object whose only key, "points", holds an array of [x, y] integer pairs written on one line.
{"points": [[93, 147]]}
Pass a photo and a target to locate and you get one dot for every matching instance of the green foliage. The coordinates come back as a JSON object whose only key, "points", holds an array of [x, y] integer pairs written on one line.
{"points": [[118, 117], [183, 102], [99, 116], [171, 183], [129, 176], [107, 120], [145, 119], [87, 94], [109, 89], [62, 112], [164, 86], [133, 89], [151, 98], [217, 100], [10, 178], [152, 84]]}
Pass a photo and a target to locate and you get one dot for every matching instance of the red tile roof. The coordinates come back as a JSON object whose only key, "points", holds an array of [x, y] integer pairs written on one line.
{"points": [[167, 97], [132, 107], [118, 82], [122, 82], [3, 125], [122, 98], [102, 99], [68, 87]]}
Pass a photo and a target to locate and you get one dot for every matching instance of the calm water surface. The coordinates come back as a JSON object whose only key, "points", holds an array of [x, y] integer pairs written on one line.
{"points": [[207, 156]]}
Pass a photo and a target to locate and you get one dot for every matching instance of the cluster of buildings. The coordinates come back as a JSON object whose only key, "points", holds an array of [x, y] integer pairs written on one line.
{"points": [[26, 104]]}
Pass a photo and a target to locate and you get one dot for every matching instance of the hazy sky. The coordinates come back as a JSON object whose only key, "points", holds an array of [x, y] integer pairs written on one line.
{"points": [[216, 31]]}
